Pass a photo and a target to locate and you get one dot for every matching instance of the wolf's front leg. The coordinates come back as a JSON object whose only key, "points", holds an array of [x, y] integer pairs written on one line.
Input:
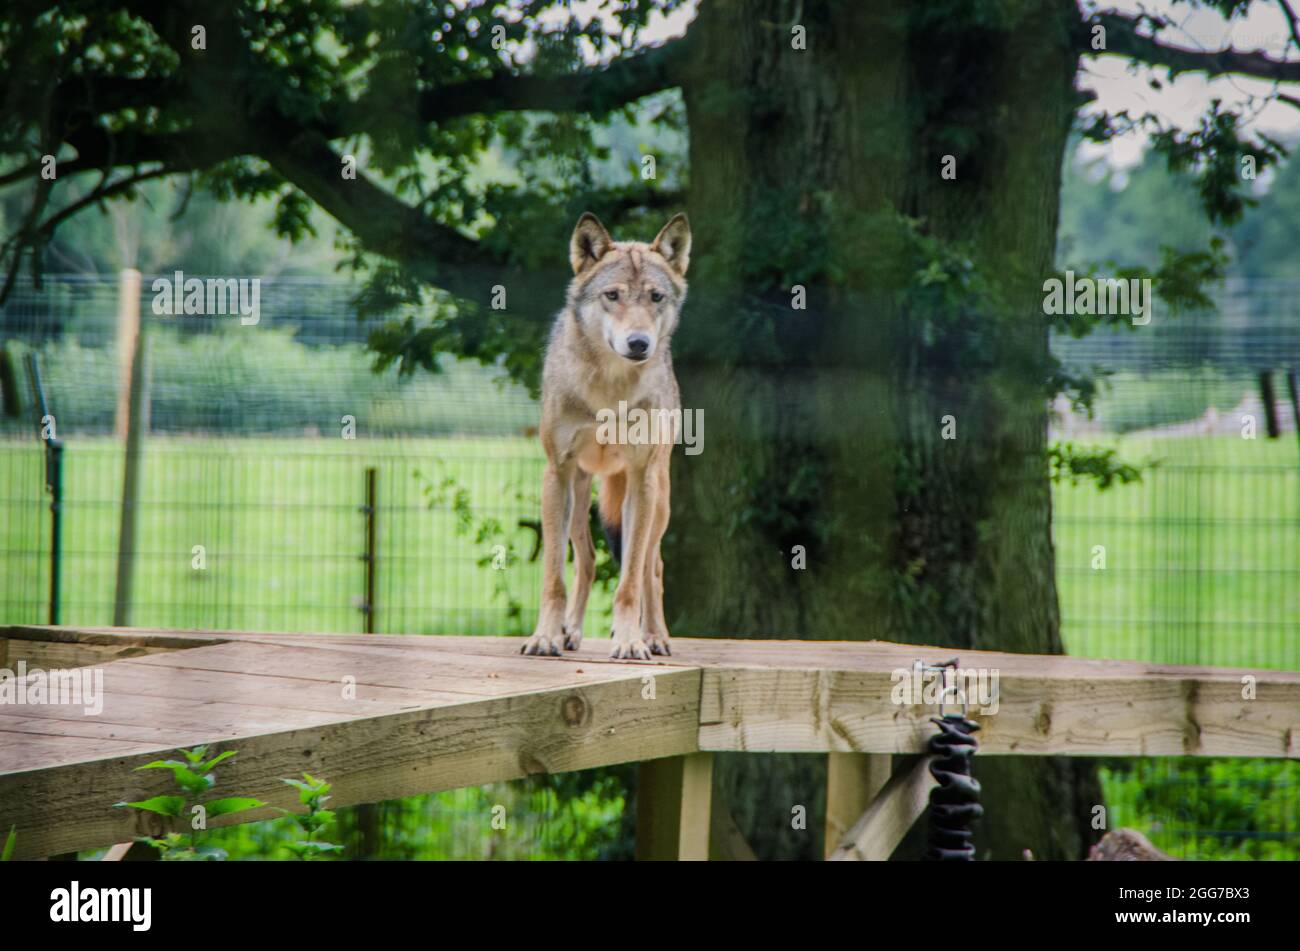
{"points": [[638, 514], [584, 561], [557, 504], [652, 599]]}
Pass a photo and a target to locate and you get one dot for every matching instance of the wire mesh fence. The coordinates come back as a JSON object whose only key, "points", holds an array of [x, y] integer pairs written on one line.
{"points": [[1199, 561], [253, 480], [253, 502]]}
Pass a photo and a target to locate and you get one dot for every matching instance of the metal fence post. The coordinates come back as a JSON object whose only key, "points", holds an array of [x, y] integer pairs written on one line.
{"points": [[371, 512], [54, 476], [53, 484]]}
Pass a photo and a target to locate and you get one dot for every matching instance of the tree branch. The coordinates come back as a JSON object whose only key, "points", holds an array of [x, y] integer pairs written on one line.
{"points": [[384, 223], [1123, 39], [1292, 24], [597, 91], [299, 149], [33, 236]]}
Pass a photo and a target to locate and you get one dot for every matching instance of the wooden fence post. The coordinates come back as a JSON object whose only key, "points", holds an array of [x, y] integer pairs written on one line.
{"points": [[132, 421], [673, 804]]}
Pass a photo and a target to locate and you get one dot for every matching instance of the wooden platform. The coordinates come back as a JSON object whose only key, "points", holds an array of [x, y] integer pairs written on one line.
{"points": [[385, 716]]}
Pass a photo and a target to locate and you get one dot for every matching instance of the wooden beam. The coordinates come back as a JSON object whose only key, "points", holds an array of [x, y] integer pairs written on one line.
{"points": [[373, 758], [882, 826], [1046, 706], [673, 801], [853, 780]]}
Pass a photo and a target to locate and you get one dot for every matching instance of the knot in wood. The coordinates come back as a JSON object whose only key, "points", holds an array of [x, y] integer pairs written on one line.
{"points": [[574, 710]]}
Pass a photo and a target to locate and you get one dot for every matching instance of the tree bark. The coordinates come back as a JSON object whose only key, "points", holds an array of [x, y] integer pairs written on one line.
{"points": [[824, 427]]}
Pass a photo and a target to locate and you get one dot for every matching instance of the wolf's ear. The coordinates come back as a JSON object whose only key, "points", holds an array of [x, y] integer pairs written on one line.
{"points": [[674, 243], [589, 243]]}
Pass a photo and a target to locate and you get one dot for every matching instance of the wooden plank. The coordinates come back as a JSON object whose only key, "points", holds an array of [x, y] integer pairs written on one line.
{"points": [[267, 690], [882, 826], [112, 635], [853, 780], [727, 842], [52, 655], [765, 710], [85, 727], [866, 656], [472, 675], [188, 722], [673, 803], [371, 759]]}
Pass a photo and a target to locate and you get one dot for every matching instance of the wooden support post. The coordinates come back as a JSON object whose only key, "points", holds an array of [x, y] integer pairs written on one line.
{"points": [[886, 820], [726, 841], [132, 422], [131, 852], [673, 799], [852, 781]]}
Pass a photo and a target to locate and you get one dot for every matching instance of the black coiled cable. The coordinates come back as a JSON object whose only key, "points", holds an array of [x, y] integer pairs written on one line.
{"points": [[954, 803]]}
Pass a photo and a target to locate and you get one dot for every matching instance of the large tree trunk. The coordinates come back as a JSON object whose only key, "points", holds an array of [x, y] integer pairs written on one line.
{"points": [[823, 426]]}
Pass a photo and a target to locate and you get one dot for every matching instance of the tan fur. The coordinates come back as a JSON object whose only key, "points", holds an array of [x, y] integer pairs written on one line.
{"points": [[613, 489], [591, 366]]}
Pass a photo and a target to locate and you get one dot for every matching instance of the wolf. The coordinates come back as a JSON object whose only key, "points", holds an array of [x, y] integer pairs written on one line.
{"points": [[608, 350]]}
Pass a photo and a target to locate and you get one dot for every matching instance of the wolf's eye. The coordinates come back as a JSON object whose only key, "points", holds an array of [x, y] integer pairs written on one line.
{"points": [[656, 296], [611, 295]]}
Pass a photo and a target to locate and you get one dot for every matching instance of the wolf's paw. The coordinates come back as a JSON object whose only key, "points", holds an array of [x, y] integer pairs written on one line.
{"points": [[572, 638], [542, 644], [634, 649], [658, 641]]}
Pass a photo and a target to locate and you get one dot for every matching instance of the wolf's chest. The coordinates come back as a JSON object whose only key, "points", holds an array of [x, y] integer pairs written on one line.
{"points": [[601, 458]]}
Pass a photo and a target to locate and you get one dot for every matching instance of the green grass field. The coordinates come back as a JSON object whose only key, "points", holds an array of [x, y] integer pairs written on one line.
{"points": [[1202, 565], [1201, 558], [281, 527]]}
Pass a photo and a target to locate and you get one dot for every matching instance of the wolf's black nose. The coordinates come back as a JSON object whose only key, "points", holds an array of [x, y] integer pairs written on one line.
{"points": [[638, 344]]}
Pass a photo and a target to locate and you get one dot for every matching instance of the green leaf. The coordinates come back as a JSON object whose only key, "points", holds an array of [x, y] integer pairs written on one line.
{"points": [[185, 777], [224, 807], [7, 853], [217, 759], [163, 805]]}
